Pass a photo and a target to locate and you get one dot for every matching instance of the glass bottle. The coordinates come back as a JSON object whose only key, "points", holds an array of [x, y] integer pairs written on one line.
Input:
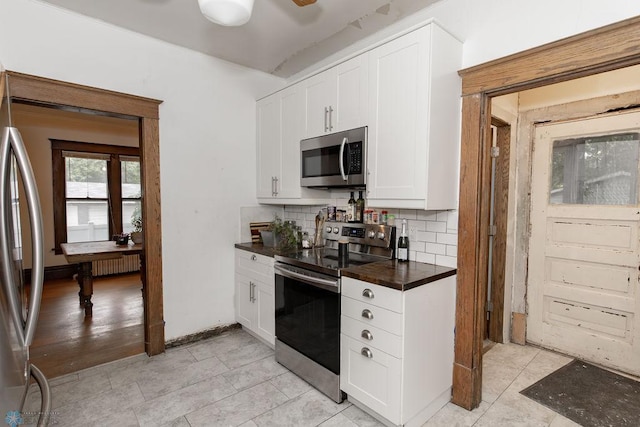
{"points": [[351, 209], [360, 208], [403, 243]]}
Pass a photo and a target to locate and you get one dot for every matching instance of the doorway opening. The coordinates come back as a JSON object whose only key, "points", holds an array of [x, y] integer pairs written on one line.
{"points": [[72, 97]]}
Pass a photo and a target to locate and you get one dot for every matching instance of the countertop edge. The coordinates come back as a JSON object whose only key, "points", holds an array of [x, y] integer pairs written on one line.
{"points": [[419, 273]]}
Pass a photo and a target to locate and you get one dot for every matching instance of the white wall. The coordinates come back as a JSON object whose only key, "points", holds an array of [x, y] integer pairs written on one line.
{"points": [[491, 29], [207, 140]]}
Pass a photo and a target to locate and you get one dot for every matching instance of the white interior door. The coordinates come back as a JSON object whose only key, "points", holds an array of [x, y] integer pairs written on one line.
{"points": [[584, 261]]}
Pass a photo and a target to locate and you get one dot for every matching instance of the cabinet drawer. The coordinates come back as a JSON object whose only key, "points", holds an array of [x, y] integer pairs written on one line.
{"points": [[370, 336], [371, 377], [254, 265], [379, 317], [390, 299]]}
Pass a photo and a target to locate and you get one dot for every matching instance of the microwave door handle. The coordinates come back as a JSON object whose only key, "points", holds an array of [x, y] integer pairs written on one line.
{"points": [[345, 140]]}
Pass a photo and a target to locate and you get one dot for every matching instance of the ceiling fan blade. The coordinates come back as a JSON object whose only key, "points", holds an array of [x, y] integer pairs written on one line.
{"points": [[304, 2]]}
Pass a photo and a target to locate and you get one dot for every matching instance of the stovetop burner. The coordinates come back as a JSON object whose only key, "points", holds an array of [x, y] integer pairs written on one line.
{"points": [[368, 243]]}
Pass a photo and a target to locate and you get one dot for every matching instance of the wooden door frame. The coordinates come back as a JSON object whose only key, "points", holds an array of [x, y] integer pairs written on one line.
{"points": [[69, 96], [500, 207], [604, 49]]}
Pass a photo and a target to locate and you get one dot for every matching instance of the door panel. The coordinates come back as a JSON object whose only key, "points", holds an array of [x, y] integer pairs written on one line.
{"points": [[584, 251]]}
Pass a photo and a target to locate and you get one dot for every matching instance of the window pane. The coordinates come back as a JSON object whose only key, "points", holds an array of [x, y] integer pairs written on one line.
{"points": [[600, 170], [85, 178], [130, 179], [87, 221], [129, 209]]}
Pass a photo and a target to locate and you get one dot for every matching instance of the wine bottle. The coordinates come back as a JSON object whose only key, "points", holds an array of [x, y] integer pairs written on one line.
{"points": [[360, 208], [351, 209], [403, 243]]}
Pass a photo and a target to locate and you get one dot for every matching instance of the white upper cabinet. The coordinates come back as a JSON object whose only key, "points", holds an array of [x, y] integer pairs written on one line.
{"points": [[280, 127], [337, 99], [414, 121], [268, 145]]}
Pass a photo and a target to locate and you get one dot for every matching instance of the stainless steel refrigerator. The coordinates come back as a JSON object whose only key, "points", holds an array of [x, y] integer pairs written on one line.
{"points": [[19, 304]]}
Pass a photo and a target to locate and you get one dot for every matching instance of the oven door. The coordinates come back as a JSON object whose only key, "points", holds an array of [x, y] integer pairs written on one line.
{"points": [[335, 160], [308, 314]]}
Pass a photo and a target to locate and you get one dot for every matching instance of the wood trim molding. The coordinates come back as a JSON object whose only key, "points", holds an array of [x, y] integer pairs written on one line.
{"points": [[501, 215], [63, 95], [596, 51], [604, 49]]}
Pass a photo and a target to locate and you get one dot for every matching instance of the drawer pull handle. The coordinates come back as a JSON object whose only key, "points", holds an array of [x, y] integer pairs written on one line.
{"points": [[367, 293], [253, 257], [367, 314], [366, 335], [366, 352]]}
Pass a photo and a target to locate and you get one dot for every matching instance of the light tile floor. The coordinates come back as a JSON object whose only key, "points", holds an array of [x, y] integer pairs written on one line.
{"points": [[234, 380]]}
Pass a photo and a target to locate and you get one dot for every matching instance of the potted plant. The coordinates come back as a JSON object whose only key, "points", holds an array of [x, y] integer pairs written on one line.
{"points": [[280, 234], [136, 221]]}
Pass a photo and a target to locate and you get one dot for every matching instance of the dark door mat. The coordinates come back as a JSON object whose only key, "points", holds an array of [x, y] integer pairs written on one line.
{"points": [[589, 395]]}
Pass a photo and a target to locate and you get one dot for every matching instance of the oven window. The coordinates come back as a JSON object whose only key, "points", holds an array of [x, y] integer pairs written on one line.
{"points": [[308, 320]]}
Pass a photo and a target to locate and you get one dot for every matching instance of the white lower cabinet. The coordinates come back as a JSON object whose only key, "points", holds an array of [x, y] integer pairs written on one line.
{"points": [[397, 348], [254, 294]]}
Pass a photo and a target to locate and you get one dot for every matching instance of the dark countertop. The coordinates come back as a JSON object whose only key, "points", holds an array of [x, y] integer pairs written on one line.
{"points": [[399, 275], [392, 274], [261, 249]]}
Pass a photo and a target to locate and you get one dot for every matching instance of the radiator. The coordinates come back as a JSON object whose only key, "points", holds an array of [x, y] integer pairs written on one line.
{"points": [[126, 264]]}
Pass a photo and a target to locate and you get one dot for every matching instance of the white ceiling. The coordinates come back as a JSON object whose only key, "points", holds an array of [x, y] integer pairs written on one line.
{"points": [[281, 38]]}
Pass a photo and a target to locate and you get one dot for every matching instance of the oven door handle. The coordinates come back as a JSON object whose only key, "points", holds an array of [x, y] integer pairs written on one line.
{"points": [[329, 285]]}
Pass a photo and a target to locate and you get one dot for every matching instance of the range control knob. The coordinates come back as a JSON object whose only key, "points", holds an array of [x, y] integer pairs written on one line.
{"points": [[336, 230], [381, 235], [329, 229], [371, 234]]}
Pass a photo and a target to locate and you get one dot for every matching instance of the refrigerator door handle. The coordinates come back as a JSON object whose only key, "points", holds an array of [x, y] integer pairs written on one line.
{"points": [[5, 249], [45, 393], [35, 218]]}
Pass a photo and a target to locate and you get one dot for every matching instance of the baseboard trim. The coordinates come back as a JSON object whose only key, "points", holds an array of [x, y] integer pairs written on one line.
{"points": [[55, 272], [209, 333]]}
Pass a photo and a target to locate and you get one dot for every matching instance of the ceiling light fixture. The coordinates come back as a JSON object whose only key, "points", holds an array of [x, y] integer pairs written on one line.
{"points": [[227, 12]]}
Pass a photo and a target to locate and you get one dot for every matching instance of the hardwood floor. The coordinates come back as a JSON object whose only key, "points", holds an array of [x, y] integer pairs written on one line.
{"points": [[66, 341]]}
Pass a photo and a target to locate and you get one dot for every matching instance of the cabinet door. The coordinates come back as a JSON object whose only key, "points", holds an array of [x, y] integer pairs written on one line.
{"points": [[320, 94], [399, 118], [375, 381], [265, 312], [268, 144], [352, 103], [292, 109], [245, 312]]}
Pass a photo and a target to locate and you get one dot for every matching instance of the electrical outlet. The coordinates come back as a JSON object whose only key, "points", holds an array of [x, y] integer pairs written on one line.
{"points": [[413, 234]]}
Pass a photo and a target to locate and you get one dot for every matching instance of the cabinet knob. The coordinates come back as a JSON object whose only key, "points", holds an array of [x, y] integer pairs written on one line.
{"points": [[367, 293], [253, 257], [367, 314], [366, 335], [366, 352]]}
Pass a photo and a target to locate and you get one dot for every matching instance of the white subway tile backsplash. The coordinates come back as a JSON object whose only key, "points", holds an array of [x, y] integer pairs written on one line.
{"points": [[435, 237], [447, 239], [418, 246], [427, 236], [425, 257], [435, 248], [439, 227], [446, 261]]}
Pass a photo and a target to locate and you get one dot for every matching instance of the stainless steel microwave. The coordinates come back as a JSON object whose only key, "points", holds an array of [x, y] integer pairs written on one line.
{"points": [[334, 160]]}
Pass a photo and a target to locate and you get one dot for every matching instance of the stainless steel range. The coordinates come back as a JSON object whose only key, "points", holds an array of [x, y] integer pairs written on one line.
{"points": [[308, 300]]}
